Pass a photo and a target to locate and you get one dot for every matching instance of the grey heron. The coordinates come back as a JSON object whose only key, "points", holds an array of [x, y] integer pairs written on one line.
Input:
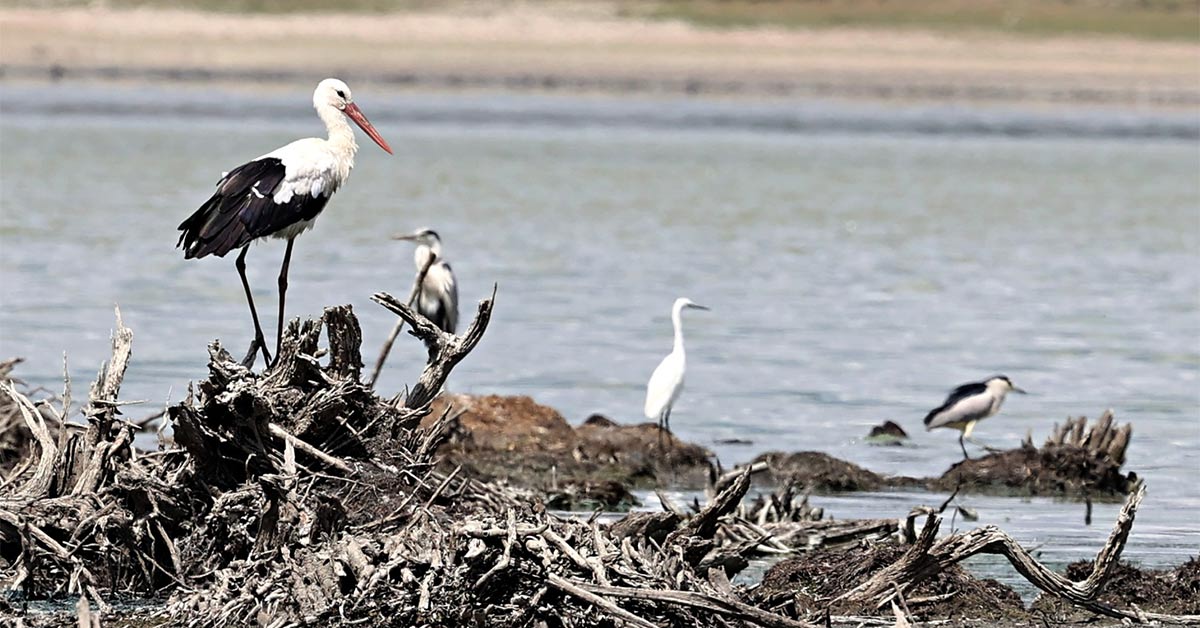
{"points": [[667, 380], [437, 298], [969, 404], [279, 195]]}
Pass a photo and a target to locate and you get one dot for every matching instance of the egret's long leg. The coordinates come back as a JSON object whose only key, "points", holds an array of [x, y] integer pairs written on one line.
{"points": [[283, 273], [667, 420], [259, 339]]}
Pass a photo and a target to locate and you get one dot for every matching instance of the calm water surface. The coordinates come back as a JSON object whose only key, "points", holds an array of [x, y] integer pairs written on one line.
{"points": [[859, 263]]}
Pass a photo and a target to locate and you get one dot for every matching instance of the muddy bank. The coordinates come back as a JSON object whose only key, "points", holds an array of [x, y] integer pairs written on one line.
{"points": [[518, 441], [548, 47]]}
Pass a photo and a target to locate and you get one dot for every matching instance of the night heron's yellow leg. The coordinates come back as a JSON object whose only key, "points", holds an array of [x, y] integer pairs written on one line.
{"points": [[970, 427]]}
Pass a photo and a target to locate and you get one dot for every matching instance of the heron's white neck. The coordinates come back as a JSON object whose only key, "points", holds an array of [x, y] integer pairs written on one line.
{"points": [[677, 321], [341, 136], [424, 252]]}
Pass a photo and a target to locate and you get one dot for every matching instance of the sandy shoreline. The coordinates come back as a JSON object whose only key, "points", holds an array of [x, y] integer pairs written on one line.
{"points": [[526, 48]]}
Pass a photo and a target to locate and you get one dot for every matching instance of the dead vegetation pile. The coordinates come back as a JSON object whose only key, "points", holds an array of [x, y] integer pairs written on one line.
{"points": [[300, 498]]}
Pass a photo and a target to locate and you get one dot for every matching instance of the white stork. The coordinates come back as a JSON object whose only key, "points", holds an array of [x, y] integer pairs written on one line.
{"points": [[969, 404], [279, 195], [437, 297], [667, 380]]}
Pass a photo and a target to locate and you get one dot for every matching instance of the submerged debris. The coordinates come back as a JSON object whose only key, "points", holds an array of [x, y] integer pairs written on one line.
{"points": [[888, 433]]}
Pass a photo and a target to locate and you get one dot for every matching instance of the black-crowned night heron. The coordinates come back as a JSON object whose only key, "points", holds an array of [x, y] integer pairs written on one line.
{"points": [[969, 404]]}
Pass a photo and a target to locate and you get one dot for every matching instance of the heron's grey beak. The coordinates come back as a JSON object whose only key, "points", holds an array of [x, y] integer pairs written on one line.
{"points": [[699, 307], [1019, 390], [406, 236]]}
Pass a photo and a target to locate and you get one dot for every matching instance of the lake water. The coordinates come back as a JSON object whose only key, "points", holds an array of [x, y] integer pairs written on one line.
{"points": [[859, 262]]}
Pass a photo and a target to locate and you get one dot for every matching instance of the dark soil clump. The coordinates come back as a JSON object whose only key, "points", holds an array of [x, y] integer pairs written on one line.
{"points": [[889, 433], [822, 473], [1073, 462]]}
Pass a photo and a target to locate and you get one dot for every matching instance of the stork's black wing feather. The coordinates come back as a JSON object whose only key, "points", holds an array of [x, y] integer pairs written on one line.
{"points": [[243, 208], [966, 390]]}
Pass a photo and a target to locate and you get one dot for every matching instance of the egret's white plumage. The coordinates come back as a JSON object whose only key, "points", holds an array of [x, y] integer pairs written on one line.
{"points": [[281, 193], [667, 380], [970, 403], [437, 298]]}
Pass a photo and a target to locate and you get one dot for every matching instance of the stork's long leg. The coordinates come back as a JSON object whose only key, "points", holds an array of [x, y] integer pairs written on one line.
{"points": [[259, 339], [283, 273]]}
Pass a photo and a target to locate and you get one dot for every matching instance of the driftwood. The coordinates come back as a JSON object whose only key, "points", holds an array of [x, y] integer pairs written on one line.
{"points": [[445, 350], [16, 438], [399, 326], [930, 555], [1103, 440], [49, 507]]}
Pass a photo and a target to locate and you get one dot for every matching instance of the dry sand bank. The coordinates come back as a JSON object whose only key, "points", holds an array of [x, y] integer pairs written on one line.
{"points": [[540, 48]]}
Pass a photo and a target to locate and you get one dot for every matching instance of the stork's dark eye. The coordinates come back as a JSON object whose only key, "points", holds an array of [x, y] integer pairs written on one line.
{"points": [[341, 94]]}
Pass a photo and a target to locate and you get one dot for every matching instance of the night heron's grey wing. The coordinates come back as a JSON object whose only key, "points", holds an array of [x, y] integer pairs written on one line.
{"points": [[439, 297], [969, 402]]}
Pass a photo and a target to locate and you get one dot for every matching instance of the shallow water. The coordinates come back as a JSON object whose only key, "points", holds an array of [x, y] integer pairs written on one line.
{"points": [[859, 262]]}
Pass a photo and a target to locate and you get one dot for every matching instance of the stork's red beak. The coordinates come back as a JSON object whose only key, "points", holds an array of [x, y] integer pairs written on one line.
{"points": [[356, 114]]}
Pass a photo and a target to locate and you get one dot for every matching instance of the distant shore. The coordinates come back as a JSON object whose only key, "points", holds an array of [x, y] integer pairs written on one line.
{"points": [[538, 48]]}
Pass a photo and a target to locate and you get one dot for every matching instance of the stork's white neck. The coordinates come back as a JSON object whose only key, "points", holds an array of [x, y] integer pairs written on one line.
{"points": [[341, 136]]}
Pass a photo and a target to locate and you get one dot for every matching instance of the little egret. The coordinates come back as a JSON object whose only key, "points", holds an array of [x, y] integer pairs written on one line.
{"points": [[969, 404], [437, 298], [667, 381], [279, 195]]}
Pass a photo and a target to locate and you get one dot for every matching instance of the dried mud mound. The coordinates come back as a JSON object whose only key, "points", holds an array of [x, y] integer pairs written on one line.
{"points": [[822, 473], [517, 440]]}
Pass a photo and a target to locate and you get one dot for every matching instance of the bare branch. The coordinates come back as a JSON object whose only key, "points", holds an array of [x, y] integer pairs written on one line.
{"points": [[445, 350], [395, 333]]}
